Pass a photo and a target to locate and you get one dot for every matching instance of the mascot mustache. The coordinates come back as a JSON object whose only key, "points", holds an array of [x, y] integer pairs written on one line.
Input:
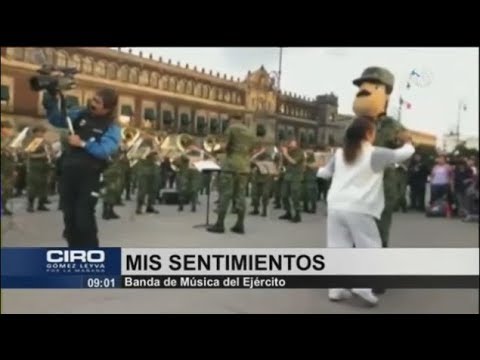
{"points": [[363, 92]]}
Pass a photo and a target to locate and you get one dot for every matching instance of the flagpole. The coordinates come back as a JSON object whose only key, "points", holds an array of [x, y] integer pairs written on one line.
{"points": [[280, 67]]}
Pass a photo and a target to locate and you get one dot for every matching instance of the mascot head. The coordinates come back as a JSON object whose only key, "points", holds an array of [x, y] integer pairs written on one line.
{"points": [[375, 86]]}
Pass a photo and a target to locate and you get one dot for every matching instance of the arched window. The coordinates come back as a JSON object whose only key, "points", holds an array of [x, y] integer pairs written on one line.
{"points": [[261, 131], [123, 73], [111, 71], [75, 61], [154, 77], [172, 84], [281, 135], [133, 76], [62, 57], [87, 65], [144, 80], [100, 68], [214, 126], [189, 88]]}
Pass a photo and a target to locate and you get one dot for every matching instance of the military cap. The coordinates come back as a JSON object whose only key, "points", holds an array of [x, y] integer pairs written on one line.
{"points": [[376, 74], [6, 124]]}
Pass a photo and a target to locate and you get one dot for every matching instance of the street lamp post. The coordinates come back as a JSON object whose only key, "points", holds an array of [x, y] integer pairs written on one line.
{"points": [[461, 106]]}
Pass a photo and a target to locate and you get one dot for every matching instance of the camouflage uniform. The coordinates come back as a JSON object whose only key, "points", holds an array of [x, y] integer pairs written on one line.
{"points": [[292, 185], [234, 176], [277, 184], [402, 175], [112, 178], [261, 186], [38, 168], [387, 136], [188, 182], [310, 186], [8, 174], [147, 177]]}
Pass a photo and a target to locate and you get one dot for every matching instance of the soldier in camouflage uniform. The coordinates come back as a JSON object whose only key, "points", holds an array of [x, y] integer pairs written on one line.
{"points": [[375, 86], [261, 183], [8, 166], [147, 178], [38, 167], [310, 187], [234, 176], [188, 178], [112, 187], [294, 160], [277, 183]]}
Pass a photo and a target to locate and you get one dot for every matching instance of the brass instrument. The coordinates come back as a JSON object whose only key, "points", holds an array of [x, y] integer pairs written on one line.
{"points": [[14, 146], [19, 139], [34, 145], [130, 134], [213, 144], [266, 167]]}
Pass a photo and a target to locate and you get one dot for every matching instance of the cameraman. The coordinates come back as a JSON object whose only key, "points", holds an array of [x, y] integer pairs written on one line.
{"points": [[96, 138]]}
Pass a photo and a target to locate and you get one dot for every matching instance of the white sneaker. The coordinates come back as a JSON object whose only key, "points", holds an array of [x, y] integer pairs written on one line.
{"points": [[339, 294], [366, 295]]}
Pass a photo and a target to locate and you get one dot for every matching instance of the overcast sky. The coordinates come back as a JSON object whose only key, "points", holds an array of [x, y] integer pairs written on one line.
{"points": [[311, 71]]}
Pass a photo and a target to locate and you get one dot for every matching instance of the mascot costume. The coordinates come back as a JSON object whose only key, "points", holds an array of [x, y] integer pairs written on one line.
{"points": [[375, 87]]}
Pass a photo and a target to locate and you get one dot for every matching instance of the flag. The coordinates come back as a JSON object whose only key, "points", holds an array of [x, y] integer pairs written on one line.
{"points": [[407, 104]]}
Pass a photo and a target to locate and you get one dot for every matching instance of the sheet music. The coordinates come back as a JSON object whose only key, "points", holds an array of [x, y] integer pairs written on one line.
{"points": [[206, 165]]}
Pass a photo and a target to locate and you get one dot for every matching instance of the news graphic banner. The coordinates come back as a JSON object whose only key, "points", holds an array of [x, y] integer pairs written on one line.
{"points": [[237, 268]]}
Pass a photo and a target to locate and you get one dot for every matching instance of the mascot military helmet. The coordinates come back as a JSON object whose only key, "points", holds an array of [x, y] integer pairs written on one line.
{"points": [[375, 86]]}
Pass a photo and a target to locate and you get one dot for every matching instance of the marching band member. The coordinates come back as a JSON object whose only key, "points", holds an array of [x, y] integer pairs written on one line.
{"points": [[294, 160], [8, 166], [233, 179], [38, 168]]}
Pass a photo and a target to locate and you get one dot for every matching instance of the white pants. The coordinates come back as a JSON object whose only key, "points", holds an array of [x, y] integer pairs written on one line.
{"points": [[347, 229]]}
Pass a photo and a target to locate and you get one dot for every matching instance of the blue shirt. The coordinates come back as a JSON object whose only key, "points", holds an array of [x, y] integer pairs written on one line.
{"points": [[108, 144]]}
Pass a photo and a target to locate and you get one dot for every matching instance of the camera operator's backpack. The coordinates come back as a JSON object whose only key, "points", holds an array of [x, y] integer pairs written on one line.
{"points": [[439, 208]]}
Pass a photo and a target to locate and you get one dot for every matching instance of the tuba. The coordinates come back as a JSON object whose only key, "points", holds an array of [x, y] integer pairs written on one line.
{"points": [[130, 135], [212, 144]]}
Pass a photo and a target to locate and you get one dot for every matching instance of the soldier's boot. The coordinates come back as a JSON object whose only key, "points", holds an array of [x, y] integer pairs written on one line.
{"points": [[314, 208], [239, 227], [138, 211], [41, 206], [286, 216], [297, 218], [5, 210], [105, 211], [277, 205], [30, 204], [218, 227], [264, 211], [113, 214], [151, 209], [194, 205], [305, 207], [254, 211]]}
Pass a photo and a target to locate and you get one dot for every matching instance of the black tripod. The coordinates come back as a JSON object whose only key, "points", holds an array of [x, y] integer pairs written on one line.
{"points": [[208, 172]]}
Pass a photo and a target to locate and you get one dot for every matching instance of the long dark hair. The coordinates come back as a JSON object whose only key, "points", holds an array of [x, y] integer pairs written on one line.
{"points": [[355, 134]]}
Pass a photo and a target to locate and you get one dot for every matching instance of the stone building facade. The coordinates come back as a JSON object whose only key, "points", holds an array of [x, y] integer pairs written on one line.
{"points": [[173, 97]]}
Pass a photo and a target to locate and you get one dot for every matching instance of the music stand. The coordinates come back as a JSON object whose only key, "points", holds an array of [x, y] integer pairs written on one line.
{"points": [[206, 167]]}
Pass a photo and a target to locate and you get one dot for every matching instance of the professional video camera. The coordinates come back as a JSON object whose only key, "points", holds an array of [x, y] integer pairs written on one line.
{"points": [[54, 79]]}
